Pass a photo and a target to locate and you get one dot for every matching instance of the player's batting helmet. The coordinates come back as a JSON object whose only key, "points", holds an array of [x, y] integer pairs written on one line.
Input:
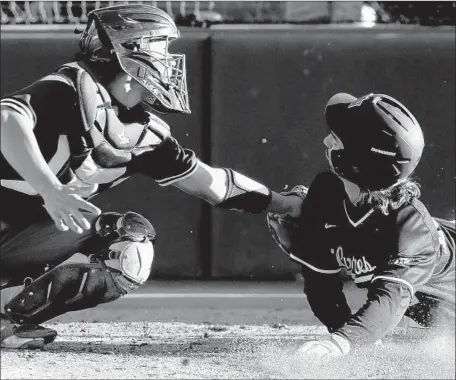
{"points": [[382, 140], [126, 33]]}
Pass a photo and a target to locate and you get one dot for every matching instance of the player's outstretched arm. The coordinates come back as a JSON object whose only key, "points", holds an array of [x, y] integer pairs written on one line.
{"points": [[20, 148], [226, 188]]}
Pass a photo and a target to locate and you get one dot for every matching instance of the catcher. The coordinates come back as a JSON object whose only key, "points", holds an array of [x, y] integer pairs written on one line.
{"points": [[364, 216], [72, 135]]}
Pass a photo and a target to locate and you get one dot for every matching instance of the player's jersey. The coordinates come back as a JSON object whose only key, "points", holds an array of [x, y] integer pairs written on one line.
{"points": [[406, 247], [112, 145]]}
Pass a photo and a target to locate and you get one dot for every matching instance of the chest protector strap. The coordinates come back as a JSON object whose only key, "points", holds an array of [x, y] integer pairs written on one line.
{"points": [[93, 97], [94, 101]]}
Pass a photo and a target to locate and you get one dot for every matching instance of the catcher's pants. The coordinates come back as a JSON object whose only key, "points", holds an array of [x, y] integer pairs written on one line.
{"points": [[29, 239]]}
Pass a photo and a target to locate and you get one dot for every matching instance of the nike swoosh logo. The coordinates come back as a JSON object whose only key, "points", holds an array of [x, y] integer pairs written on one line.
{"points": [[327, 225]]}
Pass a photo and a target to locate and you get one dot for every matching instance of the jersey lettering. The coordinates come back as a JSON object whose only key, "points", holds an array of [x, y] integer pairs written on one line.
{"points": [[355, 267]]}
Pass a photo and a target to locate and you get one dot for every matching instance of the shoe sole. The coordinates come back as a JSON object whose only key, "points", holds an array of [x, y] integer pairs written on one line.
{"points": [[16, 343]]}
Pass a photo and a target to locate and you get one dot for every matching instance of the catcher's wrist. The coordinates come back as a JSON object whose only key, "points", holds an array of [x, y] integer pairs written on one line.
{"points": [[245, 194]]}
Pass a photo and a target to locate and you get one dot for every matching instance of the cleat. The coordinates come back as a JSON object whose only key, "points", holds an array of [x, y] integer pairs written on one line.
{"points": [[28, 337]]}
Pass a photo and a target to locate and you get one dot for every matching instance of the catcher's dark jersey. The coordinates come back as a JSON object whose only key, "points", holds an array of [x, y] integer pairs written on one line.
{"points": [[408, 248], [124, 141]]}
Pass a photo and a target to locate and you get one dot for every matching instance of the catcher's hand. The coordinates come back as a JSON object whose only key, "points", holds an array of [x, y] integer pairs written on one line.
{"points": [[284, 228]]}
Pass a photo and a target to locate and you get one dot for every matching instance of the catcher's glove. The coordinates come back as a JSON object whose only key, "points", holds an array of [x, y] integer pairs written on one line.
{"points": [[283, 228]]}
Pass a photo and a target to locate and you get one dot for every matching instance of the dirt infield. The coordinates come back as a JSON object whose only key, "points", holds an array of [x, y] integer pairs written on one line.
{"points": [[140, 350]]}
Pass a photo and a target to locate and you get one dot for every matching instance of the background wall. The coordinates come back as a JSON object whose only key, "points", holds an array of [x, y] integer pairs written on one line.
{"points": [[257, 97]]}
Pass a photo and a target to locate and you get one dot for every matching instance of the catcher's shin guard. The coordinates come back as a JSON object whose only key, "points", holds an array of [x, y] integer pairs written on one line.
{"points": [[122, 262]]}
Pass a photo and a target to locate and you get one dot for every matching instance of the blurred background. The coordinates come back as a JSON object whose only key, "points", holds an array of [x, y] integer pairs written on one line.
{"points": [[259, 75], [207, 13]]}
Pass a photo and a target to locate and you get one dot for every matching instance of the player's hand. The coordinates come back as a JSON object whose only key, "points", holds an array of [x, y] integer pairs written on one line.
{"points": [[288, 204], [293, 198], [284, 228], [330, 345], [64, 202], [294, 205]]}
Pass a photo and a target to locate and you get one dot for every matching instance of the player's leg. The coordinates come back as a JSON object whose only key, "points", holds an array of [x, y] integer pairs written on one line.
{"points": [[445, 282], [30, 251], [50, 279], [19, 213], [435, 306], [114, 261]]}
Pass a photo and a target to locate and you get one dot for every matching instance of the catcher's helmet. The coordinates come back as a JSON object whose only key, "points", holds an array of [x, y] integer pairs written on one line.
{"points": [[382, 140], [125, 33]]}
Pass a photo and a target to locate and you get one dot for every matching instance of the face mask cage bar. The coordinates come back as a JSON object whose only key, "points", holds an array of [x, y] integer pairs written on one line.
{"points": [[162, 74]]}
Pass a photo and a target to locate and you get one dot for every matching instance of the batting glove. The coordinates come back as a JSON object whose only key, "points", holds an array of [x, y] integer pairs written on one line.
{"points": [[330, 345]]}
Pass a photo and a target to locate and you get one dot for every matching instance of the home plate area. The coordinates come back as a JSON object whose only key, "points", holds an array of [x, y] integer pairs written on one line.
{"points": [[154, 350]]}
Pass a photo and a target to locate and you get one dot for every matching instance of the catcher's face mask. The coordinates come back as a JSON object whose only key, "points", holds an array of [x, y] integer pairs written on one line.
{"points": [[138, 37], [148, 61]]}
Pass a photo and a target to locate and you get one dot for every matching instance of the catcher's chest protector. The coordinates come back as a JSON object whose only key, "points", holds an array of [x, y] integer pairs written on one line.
{"points": [[103, 147]]}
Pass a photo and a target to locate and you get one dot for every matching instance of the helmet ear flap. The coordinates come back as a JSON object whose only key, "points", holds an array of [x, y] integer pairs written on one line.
{"points": [[366, 172], [344, 164]]}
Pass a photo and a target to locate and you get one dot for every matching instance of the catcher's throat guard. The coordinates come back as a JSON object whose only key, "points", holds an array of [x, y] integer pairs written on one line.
{"points": [[118, 259]]}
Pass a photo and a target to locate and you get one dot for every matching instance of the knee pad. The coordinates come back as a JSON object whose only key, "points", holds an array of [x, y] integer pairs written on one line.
{"points": [[129, 226], [126, 246], [132, 259]]}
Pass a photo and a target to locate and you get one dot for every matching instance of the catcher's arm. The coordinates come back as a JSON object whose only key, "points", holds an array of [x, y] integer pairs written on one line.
{"points": [[20, 148], [228, 189]]}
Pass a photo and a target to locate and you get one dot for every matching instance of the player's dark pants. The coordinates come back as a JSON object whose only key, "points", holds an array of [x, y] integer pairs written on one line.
{"points": [[436, 299], [29, 239]]}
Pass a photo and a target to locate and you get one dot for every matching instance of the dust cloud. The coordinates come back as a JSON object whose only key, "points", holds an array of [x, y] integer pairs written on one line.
{"points": [[421, 356]]}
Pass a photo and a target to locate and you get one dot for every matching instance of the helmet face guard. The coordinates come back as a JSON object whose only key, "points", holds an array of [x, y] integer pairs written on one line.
{"points": [[128, 33]]}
